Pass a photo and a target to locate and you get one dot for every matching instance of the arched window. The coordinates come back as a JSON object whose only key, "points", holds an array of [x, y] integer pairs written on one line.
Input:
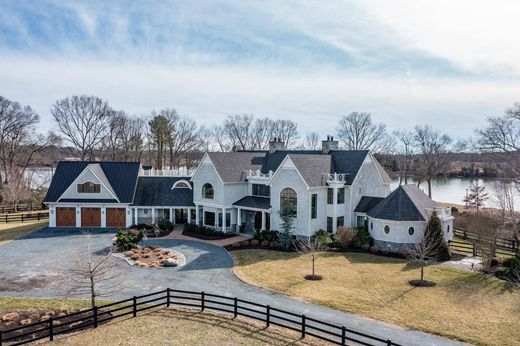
{"points": [[387, 229], [181, 184], [411, 231], [208, 191], [288, 202], [89, 187]]}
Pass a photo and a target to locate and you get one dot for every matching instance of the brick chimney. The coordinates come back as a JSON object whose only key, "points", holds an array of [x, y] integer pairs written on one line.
{"points": [[276, 144], [328, 145]]}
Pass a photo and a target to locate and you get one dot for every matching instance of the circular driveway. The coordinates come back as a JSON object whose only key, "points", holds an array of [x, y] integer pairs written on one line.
{"points": [[33, 265]]}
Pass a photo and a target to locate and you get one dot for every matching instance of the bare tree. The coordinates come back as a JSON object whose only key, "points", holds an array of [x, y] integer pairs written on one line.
{"points": [[357, 132], [238, 129], [312, 140], [84, 121], [504, 197], [132, 141], [477, 197], [405, 154], [434, 155], [306, 247], [183, 138], [261, 133], [92, 276], [286, 131], [219, 136]]}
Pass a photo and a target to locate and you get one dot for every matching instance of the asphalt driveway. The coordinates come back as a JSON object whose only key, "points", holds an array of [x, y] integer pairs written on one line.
{"points": [[31, 267]]}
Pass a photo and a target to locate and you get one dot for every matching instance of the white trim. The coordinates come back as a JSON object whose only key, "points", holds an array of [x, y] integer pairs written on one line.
{"points": [[74, 183], [201, 163], [280, 167], [182, 181]]}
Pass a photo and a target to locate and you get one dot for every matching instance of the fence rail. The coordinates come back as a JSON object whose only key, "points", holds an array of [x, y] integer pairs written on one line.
{"points": [[91, 318], [466, 244], [501, 243], [24, 217], [9, 209]]}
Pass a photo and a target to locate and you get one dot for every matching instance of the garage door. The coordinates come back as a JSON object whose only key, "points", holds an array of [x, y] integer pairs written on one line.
{"points": [[90, 217], [116, 217], [66, 217]]}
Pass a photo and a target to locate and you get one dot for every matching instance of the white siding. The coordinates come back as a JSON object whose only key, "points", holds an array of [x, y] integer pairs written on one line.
{"points": [[207, 174], [86, 176]]}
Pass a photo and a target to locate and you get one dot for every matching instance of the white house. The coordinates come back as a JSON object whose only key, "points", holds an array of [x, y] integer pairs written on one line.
{"points": [[245, 190]]}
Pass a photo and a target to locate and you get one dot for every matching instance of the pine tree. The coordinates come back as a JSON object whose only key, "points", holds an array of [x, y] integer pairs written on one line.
{"points": [[435, 235], [513, 273]]}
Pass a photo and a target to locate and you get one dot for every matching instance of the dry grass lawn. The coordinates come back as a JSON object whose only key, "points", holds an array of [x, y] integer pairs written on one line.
{"points": [[12, 230], [466, 306]]}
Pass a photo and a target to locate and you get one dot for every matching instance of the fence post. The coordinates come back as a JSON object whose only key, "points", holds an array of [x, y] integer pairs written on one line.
{"points": [[343, 336], [38, 216], [95, 316], [202, 305], [235, 307], [22, 217], [6, 219], [168, 297], [268, 316], [388, 342], [474, 248], [51, 328], [303, 326], [134, 306]]}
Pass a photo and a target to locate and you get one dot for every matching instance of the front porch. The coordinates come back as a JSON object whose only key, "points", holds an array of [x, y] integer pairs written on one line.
{"points": [[154, 215]]}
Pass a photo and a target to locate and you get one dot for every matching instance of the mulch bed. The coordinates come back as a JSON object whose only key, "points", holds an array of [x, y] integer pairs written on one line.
{"points": [[208, 237], [150, 233], [61, 322], [421, 283]]}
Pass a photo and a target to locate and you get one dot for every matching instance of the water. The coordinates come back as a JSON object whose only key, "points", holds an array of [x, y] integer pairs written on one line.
{"points": [[453, 190]]}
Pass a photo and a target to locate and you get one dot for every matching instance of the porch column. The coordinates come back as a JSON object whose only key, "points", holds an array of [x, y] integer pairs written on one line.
{"points": [[189, 215], [104, 216], [172, 216], [197, 217], [335, 204], [153, 216], [239, 217], [223, 219], [135, 215], [263, 220]]}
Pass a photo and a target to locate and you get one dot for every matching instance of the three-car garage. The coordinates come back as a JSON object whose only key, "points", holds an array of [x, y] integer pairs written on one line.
{"points": [[90, 217]]}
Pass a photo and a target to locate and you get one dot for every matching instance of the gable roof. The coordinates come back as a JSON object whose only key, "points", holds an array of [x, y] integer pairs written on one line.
{"points": [[382, 171], [366, 204], [121, 176], [406, 203], [157, 191], [312, 164], [255, 202]]}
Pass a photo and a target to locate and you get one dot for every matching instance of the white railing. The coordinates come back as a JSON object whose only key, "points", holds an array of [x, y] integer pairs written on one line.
{"points": [[182, 172], [337, 178], [256, 174]]}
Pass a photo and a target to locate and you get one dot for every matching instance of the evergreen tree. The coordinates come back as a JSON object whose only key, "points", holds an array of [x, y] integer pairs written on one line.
{"points": [[434, 234], [513, 273]]}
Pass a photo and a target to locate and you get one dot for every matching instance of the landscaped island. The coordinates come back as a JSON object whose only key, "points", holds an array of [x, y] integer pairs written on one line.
{"points": [[467, 306]]}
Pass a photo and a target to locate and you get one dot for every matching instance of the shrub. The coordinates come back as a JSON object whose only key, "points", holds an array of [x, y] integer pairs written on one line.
{"points": [[125, 241], [362, 238], [166, 225], [345, 236], [454, 210], [513, 272], [269, 235], [322, 237], [285, 240], [191, 228]]}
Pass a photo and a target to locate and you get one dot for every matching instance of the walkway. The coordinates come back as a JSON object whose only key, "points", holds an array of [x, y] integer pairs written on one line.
{"points": [[176, 234], [31, 266]]}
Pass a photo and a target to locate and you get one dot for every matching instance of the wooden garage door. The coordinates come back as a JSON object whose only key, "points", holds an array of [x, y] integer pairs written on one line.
{"points": [[65, 217], [116, 217], [90, 217]]}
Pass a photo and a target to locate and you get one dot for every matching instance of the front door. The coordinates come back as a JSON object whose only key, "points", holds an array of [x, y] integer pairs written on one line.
{"points": [[181, 216]]}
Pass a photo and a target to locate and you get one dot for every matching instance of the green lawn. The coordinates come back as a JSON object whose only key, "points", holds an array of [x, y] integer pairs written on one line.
{"points": [[12, 230], [467, 306], [166, 327]]}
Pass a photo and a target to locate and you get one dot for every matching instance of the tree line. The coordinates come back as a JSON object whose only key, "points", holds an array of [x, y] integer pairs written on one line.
{"points": [[166, 139]]}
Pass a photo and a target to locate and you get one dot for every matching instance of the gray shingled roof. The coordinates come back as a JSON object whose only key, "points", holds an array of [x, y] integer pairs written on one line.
{"points": [[311, 163], [156, 191], [122, 177], [406, 203], [254, 202], [88, 200], [367, 203]]}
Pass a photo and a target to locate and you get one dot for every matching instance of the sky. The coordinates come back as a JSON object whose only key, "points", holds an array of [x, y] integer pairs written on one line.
{"points": [[450, 64]]}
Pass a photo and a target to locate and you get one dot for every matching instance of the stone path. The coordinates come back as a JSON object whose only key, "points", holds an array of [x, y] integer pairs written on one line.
{"points": [[176, 234], [30, 267]]}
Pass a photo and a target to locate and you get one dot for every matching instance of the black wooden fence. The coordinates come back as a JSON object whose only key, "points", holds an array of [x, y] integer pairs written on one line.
{"points": [[24, 217], [465, 243], [8, 209], [91, 318]]}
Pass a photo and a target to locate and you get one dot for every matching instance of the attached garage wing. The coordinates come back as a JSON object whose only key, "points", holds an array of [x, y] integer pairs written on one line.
{"points": [[116, 217], [90, 217], [65, 217]]}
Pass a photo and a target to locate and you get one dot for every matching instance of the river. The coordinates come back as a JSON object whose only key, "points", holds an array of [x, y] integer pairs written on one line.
{"points": [[453, 190]]}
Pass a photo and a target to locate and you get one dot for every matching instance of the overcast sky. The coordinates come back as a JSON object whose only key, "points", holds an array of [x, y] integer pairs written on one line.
{"points": [[447, 63]]}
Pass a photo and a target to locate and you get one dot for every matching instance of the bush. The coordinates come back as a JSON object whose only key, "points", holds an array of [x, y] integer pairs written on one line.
{"points": [[285, 240], [207, 231], [345, 236], [166, 225], [454, 210], [269, 235], [362, 238], [322, 237], [125, 241]]}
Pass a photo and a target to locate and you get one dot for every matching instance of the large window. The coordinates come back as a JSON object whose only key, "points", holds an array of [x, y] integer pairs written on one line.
{"points": [[329, 224], [288, 202], [89, 187], [228, 219], [208, 191], [314, 206], [261, 190], [341, 195], [209, 218], [330, 196], [340, 222]]}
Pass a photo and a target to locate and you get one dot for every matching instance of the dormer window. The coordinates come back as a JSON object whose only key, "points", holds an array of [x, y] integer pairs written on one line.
{"points": [[208, 191], [89, 187], [181, 184]]}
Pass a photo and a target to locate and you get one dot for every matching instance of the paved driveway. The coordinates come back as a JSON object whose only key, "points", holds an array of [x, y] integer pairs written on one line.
{"points": [[29, 266]]}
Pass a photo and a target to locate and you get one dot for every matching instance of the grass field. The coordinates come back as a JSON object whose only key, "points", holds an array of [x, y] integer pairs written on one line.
{"points": [[466, 306], [166, 327], [13, 230]]}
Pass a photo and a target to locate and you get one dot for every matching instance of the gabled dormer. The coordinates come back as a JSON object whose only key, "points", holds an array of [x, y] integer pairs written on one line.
{"points": [[91, 183]]}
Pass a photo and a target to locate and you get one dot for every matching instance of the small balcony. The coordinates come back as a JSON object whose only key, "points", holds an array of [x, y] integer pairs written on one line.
{"points": [[258, 176], [336, 178], [181, 172]]}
